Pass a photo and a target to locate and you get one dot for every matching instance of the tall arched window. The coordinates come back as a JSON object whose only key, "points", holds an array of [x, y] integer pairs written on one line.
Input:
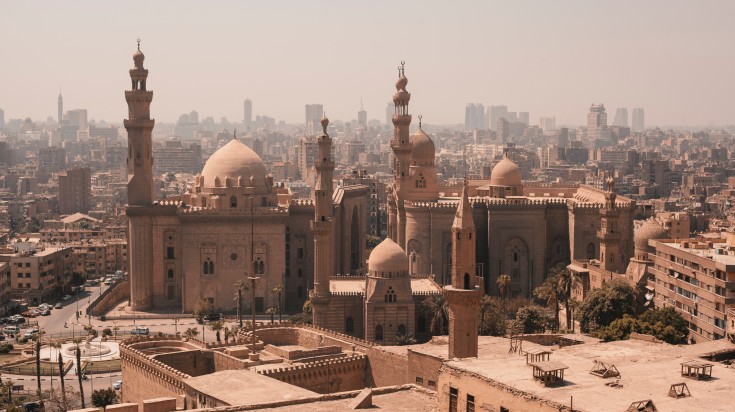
{"points": [[401, 329], [170, 273], [467, 281], [210, 267], [233, 201], [379, 332], [390, 295], [205, 267], [349, 325]]}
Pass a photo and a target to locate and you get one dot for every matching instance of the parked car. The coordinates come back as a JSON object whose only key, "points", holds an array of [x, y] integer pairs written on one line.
{"points": [[11, 330], [29, 314], [66, 297], [117, 385], [109, 282], [45, 312], [58, 305], [139, 330]]}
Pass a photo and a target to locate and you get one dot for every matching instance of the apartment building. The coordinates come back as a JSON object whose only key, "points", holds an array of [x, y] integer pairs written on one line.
{"points": [[38, 272]]}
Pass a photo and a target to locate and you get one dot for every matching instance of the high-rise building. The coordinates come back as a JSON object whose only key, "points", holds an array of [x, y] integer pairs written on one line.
{"points": [[503, 130], [60, 108], [362, 116], [2, 119], [523, 117], [597, 123], [248, 113], [389, 109], [313, 117], [621, 117], [77, 118], [547, 124], [639, 123], [474, 117], [51, 159], [75, 191], [496, 112]]}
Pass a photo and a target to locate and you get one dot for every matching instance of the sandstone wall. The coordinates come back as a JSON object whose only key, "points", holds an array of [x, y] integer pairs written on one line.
{"points": [[194, 362], [333, 375], [109, 299]]}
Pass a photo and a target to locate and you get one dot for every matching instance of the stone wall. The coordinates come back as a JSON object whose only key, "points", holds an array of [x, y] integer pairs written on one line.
{"points": [[489, 395], [224, 361], [145, 377], [424, 369], [329, 376], [292, 354], [193, 362], [112, 297]]}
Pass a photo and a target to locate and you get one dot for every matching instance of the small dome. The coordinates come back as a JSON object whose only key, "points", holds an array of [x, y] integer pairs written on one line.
{"points": [[651, 229], [401, 83], [138, 58], [388, 257], [235, 160], [505, 173], [423, 147]]}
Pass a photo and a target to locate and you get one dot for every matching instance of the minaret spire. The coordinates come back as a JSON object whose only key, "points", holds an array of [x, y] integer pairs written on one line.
{"points": [[402, 148], [139, 126], [322, 226]]}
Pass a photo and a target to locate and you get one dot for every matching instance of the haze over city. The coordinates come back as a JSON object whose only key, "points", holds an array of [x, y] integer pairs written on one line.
{"points": [[547, 58]]}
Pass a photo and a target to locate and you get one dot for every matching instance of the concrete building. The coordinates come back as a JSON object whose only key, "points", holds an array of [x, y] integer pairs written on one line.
{"points": [[247, 113], [313, 115], [621, 117], [474, 117], [697, 277], [638, 123], [495, 113], [173, 156], [597, 123], [51, 159], [37, 273], [547, 124], [75, 191]]}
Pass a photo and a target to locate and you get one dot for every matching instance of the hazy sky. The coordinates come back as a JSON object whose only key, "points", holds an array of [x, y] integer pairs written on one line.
{"points": [[551, 58]]}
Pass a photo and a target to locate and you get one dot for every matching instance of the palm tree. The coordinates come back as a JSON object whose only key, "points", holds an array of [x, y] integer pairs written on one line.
{"points": [[217, 327], [8, 385], [566, 281], [484, 305], [574, 305], [278, 290], [191, 332], [437, 308], [61, 375], [503, 282], [550, 292], [403, 339], [241, 286], [271, 311], [79, 374]]}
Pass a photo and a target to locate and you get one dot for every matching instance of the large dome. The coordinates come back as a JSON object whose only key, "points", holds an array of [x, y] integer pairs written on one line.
{"points": [[505, 173], [651, 229], [423, 148], [235, 160], [388, 257]]}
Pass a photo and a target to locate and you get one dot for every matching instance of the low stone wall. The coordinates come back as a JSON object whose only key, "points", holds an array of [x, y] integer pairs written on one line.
{"points": [[302, 353], [424, 369], [193, 362], [333, 375], [112, 297]]}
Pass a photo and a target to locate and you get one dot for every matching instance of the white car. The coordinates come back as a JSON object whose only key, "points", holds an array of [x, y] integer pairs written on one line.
{"points": [[66, 297], [117, 385]]}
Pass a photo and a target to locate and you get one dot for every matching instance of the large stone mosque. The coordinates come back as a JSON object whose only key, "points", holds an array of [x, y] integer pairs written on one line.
{"points": [[236, 222]]}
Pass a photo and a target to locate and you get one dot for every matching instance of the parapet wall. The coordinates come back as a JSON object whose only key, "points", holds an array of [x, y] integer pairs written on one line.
{"points": [[328, 376], [292, 354], [109, 299]]}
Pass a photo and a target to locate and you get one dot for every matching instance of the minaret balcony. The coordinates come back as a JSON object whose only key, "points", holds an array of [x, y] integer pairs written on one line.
{"points": [[603, 235], [139, 123]]}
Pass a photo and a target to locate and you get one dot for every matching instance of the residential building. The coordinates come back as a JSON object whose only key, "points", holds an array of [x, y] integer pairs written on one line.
{"points": [[75, 191]]}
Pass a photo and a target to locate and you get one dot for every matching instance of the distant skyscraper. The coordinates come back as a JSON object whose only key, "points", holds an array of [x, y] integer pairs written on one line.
{"points": [[389, 109], [547, 123], [639, 123], [621, 117], [523, 117], [2, 118], [474, 117], [75, 191], [60, 108], [496, 112], [248, 113], [314, 114], [362, 116], [503, 130], [597, 123], [77, 118]]}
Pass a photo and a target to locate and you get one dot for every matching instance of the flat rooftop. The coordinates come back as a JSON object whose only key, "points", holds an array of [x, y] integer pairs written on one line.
{"points": [[424, 285], [245, 387], [647, 371], [410, 400]]}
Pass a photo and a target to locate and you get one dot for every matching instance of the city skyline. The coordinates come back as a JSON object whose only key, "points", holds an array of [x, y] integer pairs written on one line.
{"points": [[555, 59]]}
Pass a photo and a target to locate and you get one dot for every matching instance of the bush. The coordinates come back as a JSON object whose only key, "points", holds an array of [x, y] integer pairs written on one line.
{"points": [[106, 332], [607, 304], [4, 349], [664, 324], [532, 318], [103, 397]]}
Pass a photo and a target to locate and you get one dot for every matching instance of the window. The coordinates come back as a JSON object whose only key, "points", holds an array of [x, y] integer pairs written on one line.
{"points": [[419, 380], [504, 409], [421, 324], [300, 273], [453, 395], [379, 332], [233, 201], [470, 403], [402, 329], [591, 251], [432, 384], [300, 253], [467, 281], [349, 325], [208, 267], [170, 274], [390, 296], [170, 252], [28, 264]]}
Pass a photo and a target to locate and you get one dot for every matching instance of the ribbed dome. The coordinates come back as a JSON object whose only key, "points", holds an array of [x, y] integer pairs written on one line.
{"points": [[234, 160], [423, 147], [651, 229], [505, 173], [388, 257], [138, 58]]}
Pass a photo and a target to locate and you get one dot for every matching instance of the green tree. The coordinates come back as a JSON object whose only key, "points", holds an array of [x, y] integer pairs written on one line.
{"points": [[664, 324], [38, 363], [550, 292], [241, 286], [271, 311], [566, 282], [503, 282], [492, 317], [61, 378], [606, 304], [103, 397], [437, 309], [203, 308], [371, 242], [191, 333], [216, 327], [56, 400], [404, 339], [532, 318]]}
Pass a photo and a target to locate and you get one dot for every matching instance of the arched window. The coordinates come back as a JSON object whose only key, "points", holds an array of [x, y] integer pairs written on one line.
{"points": [[467, 281], [421, 324], [211, 266], [349, 325], [591, 251], [402, 329], [390, 296], [233, 201], [379, 332], [259, 266], [170, 273], [205, 267]]}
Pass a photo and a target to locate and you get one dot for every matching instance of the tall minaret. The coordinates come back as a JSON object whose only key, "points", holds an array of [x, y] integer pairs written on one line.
{"points": [[401, 146], [609, 233], [464, 294], [139, 126], [60, 108], [323, 227]]}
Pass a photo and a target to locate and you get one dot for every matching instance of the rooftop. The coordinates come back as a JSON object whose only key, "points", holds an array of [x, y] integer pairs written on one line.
{"points": [[411, 400], [245, 387], [647, 371], [357, 285]]}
